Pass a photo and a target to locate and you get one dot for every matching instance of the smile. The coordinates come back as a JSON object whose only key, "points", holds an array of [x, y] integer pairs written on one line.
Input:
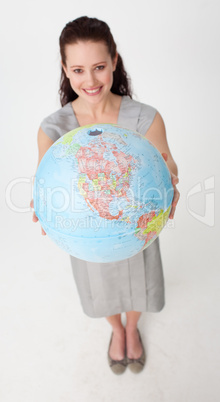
{"points": [[93, 91]]}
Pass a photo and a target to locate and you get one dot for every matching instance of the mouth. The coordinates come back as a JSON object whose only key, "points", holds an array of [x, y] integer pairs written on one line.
{"points": [[92, 92]]}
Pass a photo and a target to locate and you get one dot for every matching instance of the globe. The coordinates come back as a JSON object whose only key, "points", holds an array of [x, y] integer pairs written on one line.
{"points": [[102, 193]]}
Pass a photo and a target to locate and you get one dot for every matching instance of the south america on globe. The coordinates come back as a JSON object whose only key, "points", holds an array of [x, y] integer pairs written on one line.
{"points": [[102, 193]]}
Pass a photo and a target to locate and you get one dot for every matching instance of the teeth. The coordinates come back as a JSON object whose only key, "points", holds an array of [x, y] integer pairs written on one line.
{"points": [[92, 90]]}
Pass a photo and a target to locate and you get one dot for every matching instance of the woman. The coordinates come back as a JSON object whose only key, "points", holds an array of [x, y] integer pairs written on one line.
{"points": [[94, 88]]}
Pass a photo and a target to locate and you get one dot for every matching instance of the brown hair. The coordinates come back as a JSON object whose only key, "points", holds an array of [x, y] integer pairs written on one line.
{"points": [[85, 28]]}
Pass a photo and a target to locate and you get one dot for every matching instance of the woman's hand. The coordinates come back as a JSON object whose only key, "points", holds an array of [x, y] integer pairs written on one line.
{"points": [[176, 195], [35, 218]]}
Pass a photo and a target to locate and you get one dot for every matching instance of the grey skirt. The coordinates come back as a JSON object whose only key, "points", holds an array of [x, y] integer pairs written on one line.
{"points": [[134, 284]]}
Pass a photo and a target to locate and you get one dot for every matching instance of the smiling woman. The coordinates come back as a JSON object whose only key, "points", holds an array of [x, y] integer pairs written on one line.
{"points": [[94, 89], [90, 32]]}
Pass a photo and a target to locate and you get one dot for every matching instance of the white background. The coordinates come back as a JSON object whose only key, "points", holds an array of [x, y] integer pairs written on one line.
{"points": [[50, 350]]}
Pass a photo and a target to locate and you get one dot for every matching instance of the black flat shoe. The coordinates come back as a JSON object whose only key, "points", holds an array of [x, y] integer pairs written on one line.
{"points": [[117, 366], [137, 365]]}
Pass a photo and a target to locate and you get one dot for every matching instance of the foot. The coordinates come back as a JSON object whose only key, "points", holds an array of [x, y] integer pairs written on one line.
{"points": [[134, 348], [117, 347]]}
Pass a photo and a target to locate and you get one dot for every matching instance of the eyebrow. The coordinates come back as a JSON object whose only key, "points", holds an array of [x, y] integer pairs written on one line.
{"points": [[101, 62]]}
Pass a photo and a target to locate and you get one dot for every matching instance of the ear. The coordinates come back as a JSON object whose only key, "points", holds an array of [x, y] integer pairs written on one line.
{"points": [[65, 69]]}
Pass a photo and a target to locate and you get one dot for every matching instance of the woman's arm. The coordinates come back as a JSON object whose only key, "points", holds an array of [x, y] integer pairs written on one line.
{"points": [[44, 143], [156, 134]]}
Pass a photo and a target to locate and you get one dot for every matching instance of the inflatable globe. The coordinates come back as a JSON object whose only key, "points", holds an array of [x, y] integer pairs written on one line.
{"points": [[102, 193]]}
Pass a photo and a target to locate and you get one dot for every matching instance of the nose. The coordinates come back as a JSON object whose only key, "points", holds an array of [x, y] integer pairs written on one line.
{"points": [[90, 79]]}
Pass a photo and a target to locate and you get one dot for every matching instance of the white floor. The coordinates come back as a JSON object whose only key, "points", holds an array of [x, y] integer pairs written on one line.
{"points": [[52, 352]]}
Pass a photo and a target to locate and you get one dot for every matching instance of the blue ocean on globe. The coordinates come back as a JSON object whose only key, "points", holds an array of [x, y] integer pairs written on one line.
{"points": [[102, 193]]}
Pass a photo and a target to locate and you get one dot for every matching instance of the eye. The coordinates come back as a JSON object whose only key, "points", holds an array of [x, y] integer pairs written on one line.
{"points": [[100, 67], [77, 70]]}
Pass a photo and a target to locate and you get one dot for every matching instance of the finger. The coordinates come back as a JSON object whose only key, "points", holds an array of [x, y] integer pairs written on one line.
{"points": [[32, 204], [176, 197], [34, 218], [43, 231], [173, 209], [174, 176], [174, 203], [172, 212], [165, 156], [175, 180]]}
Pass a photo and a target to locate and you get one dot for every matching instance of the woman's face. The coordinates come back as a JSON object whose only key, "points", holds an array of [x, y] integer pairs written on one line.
{"points": [[89, 68]]}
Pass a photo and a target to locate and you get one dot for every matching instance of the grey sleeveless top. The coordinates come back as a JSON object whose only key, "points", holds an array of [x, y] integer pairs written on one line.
{"points": [[132, 114]]}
